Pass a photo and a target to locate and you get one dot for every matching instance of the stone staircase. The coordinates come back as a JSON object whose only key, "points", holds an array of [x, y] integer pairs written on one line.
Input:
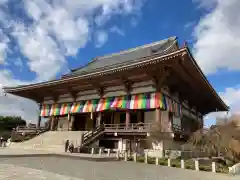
{"points": [[51, 141]]}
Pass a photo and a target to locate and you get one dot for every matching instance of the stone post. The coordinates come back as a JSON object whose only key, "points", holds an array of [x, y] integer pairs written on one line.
{"points": [[213, 167], [100, 151], [182, 164], [118, 155], [169, 162], [92, 151], [157, 161], [146, 158], [125, 156], [196, 165], [108, 152], [135, 157]]}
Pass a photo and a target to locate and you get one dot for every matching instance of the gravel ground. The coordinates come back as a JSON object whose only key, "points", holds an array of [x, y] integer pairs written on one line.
{"points": [[47, 167]]}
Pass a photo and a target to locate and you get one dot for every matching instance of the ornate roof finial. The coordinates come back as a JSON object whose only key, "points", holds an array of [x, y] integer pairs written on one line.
{"points": [[185, 44]]}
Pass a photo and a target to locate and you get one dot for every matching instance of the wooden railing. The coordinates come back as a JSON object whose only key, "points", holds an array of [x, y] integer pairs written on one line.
{"points": [[90, 136], [133, 127], [28, 130]]}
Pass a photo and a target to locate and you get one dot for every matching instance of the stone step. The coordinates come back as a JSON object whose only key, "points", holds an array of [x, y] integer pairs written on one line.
{"points": [[51, 140]]}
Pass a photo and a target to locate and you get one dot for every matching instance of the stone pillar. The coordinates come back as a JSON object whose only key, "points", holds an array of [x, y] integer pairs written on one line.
{"points": [[127, 118]]}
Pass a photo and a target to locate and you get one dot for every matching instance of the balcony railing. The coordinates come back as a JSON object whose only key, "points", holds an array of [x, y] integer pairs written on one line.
{"points": [[133, 127]]}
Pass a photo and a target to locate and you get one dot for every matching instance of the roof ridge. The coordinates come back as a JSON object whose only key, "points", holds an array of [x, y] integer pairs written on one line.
{"points": [[171, 38], [136, 48]]}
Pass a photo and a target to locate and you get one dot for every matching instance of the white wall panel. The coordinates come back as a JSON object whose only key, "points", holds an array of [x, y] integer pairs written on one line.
{"points": [[115, 93], [143, 90], [149, 117]]}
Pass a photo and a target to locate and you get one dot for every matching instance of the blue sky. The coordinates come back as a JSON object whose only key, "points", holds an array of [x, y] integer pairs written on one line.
{"points": [[41, 40]]}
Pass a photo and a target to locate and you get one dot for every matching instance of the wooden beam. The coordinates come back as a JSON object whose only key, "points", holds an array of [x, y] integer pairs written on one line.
{"points": [[51, 93], [127, 84], [159, 76], [100, 91], [72, 93], [35, 97]]}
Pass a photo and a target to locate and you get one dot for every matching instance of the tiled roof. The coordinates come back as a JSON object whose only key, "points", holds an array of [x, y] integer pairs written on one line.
{"points": [[126, 57]]}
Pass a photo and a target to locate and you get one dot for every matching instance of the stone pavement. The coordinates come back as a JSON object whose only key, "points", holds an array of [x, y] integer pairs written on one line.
{"points": [[55, 167], [12, 172], [19, 152]]}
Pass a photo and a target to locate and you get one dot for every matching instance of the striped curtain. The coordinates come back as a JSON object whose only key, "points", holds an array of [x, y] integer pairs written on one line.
{"points": [[90, 105], [104, 104], [55, 110], [45, 110], [77, 107], [65, 108]]}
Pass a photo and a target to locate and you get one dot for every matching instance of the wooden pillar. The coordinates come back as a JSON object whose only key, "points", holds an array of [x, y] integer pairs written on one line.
{"points": [[72, 119], [39, 122], [69, 121], [127, 118], [39, 117], [99, 119], [52, 123], [158, 115]]}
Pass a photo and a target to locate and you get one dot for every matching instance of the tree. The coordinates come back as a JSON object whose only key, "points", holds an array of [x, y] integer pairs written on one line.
{"points": [[221, 139], [158, 134], [7, 123]]}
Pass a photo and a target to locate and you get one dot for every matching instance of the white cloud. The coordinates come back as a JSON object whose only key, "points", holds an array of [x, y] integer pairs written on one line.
{"points": [[117, 30], [12, 105], [231, 96], [4, 40], [18, 62], [218, 36], [52, 30], [217, 45], [101, 37]]}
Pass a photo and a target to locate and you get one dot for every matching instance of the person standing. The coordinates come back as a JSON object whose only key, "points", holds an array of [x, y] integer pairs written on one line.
{"points": [[71, 147], [1, 141], [66, 145]]}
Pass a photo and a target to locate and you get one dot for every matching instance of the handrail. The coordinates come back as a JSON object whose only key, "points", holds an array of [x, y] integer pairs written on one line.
{"points": [[92, 133]]}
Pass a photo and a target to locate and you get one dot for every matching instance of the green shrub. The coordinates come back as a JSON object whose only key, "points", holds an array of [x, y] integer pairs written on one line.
{"points": [[221, 168], [141, 159], [130, 158], [151, 160], [175, 163], [190, 167], [205, 168]]}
